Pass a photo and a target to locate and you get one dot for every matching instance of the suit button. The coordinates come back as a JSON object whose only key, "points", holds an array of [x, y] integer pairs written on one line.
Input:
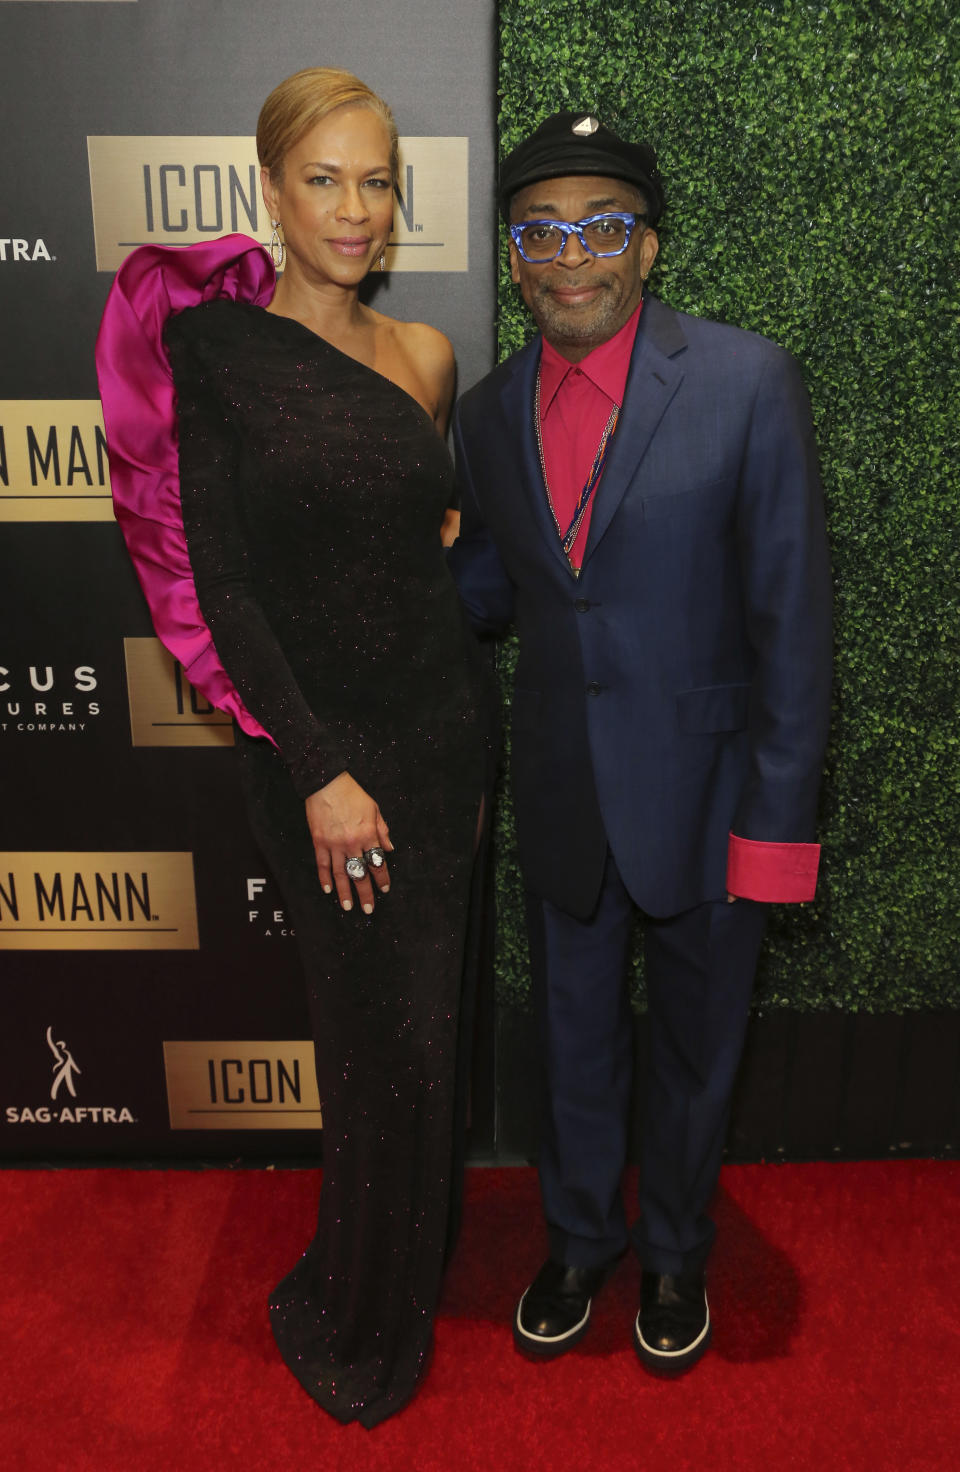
{"points": [[594, 689], [582, 605]]}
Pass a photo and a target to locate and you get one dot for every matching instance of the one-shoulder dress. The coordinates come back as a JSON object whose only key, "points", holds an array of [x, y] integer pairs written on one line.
{"points": [[312, 492]]}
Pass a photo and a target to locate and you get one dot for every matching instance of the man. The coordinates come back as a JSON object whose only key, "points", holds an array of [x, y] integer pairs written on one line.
{"points": [[641, 498]]}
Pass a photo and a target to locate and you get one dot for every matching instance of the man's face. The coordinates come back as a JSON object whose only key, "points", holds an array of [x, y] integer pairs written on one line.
{"points": [[580, 301]]}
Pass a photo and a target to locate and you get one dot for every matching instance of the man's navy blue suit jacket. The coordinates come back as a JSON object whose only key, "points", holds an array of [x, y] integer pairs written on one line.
{"points": [[679, 689]]}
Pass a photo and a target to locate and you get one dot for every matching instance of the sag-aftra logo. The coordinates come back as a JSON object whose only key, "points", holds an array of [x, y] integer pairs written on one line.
{"points": [[13, 248], [65, 1104]]}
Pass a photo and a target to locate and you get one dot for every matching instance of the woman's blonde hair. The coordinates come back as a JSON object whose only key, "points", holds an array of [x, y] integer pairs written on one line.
{"points": [[299, 103]]}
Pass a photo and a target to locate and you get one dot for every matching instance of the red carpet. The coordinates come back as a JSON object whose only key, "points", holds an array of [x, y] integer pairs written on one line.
{"points": [[134, 1335]]}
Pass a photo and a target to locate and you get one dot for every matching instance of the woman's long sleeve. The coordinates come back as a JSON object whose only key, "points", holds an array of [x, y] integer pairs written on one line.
{"points": [[220, 556]]}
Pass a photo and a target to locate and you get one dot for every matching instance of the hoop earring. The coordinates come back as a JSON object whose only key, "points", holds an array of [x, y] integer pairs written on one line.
{"points": [[277, 248], [383, 263]]}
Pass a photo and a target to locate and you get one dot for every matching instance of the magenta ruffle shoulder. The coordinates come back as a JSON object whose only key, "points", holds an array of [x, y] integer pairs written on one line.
{"points": [[139, 415]]}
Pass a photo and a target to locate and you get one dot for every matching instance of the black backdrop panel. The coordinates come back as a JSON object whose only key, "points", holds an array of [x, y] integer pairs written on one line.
{"points": [[148, 972]]}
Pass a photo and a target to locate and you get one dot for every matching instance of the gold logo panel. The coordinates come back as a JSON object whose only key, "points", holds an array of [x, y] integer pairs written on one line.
{"points": [[53, 461], [97, 902], [165, 710], [178, 190], [242, 1086]]}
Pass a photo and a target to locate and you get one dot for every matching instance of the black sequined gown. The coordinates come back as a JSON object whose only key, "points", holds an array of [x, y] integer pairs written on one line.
{"points": [[313, 490]]}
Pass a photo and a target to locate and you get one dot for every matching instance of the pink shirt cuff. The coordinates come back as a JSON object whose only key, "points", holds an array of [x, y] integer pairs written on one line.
{"points": [[775, 873]]}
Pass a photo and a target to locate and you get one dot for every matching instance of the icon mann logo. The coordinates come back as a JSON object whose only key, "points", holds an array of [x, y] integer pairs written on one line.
{"points": [[165, 710], [97, 901], [242, 1086], [53, 461], [177, 190]]}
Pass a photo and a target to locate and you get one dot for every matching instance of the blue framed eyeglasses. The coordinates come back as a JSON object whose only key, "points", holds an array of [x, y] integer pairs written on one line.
{"points": [[539, 241]]}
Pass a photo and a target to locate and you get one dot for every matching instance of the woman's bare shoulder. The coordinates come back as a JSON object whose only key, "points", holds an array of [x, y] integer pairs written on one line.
{"points": [[431, 355], [422, 362], [419, 340]]}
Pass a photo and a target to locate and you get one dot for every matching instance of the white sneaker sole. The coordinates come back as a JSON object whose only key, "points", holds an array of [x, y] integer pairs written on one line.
{"points": [[672, 1361], [549, 1343]]}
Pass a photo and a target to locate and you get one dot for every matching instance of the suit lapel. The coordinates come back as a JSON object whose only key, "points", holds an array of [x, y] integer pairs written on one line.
{"points": [[516, 404], [654, 378]]}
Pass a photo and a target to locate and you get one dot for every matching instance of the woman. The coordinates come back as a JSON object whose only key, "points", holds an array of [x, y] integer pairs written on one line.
{"points": [[313, 484]]}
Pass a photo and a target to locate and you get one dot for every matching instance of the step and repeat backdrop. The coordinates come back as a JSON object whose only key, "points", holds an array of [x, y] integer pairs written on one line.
{"points": [[152, 1000]]}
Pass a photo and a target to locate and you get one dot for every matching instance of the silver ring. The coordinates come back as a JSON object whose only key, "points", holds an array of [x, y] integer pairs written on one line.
{"points": [[375, 857], [356, 868]]}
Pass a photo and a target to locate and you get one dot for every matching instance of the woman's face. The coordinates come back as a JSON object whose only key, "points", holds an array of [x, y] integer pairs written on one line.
{"points": [[336, 199]]}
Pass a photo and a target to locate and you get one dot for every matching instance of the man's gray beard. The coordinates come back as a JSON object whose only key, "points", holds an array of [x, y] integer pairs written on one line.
{"points": [[563, 325]]}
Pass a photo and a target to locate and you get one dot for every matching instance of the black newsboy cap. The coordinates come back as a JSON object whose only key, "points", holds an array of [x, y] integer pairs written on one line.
{"points": [[578, 143]]}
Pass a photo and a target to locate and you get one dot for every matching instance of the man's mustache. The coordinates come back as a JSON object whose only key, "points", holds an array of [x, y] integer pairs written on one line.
{"points": [[572, 283]]}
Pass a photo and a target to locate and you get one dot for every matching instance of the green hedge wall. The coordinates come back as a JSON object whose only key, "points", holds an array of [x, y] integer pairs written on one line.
{"points": [[810, 157]]}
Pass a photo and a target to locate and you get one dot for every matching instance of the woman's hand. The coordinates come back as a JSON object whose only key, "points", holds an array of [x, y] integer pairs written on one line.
{"points": [[345, 823]]}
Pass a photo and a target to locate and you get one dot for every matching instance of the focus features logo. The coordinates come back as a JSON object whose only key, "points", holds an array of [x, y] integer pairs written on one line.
{"points": [[61, 1110], [12, 249], [263, 911], [47, 698]]}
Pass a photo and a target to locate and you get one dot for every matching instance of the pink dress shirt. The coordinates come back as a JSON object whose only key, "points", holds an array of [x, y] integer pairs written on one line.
{"points": [[575, 404]]}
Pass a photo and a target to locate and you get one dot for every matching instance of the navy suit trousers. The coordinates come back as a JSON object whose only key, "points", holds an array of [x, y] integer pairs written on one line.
{"points": [[700, 967]]}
